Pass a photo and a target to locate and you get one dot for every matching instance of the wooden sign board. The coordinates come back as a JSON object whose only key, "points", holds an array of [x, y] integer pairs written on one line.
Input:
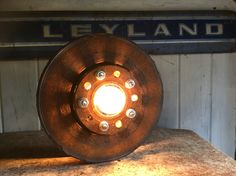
{"points": [[25, 35]]}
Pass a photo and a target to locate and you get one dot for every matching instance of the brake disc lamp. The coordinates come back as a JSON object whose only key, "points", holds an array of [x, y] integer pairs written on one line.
{"points": [[99, 97]]}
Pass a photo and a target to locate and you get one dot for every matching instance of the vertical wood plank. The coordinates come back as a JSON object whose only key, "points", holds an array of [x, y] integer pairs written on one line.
{"points": [[168, 66], [18, 89], [195, 93], [224, 102], [1, 126], [42, 62]]}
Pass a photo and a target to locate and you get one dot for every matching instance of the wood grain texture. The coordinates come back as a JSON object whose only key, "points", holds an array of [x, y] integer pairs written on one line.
{"points": [[224, 102], [42, 62], [195, 93], [168, 66], [18, 89], [115, 5], [165, 153]]}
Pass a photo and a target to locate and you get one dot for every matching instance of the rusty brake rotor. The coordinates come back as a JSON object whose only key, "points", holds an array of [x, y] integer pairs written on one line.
{"points": [[99, 97]]}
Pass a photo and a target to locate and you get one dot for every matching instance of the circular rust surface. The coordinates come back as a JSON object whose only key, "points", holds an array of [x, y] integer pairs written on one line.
{"points": [[75, 129], [90, 117]]}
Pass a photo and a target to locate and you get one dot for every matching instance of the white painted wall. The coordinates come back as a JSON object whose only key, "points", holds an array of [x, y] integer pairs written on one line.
{"points": [[200, 94]]}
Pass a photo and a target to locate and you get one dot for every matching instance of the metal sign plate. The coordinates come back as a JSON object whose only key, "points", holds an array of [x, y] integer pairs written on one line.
{"points": [[42, 34]]}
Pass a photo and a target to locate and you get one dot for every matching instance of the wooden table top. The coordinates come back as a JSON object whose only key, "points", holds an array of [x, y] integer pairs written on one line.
{"points": [[165, 152]]}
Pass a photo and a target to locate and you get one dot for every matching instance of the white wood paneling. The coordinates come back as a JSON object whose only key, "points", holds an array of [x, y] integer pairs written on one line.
{"points": [[168, 67], [195, 93], [42, 62], [224, 102], [115, 5], [18, 90]]}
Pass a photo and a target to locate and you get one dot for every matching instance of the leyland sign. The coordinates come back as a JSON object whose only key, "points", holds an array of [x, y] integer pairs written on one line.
{"points": [[155, 29], [37, 35]]}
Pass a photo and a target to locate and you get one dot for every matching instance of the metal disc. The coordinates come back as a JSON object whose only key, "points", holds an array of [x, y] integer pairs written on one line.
{"points": [[60, 85]]}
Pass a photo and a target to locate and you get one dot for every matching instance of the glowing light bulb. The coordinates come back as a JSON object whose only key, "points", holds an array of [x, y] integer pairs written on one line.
{"points": [[134, 97], [118, 124], [87, 85], [109, 99], [116, 74]]}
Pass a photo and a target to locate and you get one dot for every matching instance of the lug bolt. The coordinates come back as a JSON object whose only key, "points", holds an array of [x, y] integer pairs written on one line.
{"points": [[100, 75], [83, 102], [129, 84], [104, 126], [131, 113]]}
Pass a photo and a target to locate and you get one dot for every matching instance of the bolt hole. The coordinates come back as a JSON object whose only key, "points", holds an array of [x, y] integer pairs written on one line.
{"points": [[90, 117]]}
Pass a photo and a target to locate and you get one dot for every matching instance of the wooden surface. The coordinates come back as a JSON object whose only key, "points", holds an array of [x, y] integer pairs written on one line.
{"points": [[224, 102], [199, 94], [18, 94], [165, 152], [195, 97], [116, 5], [168, 67]]}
